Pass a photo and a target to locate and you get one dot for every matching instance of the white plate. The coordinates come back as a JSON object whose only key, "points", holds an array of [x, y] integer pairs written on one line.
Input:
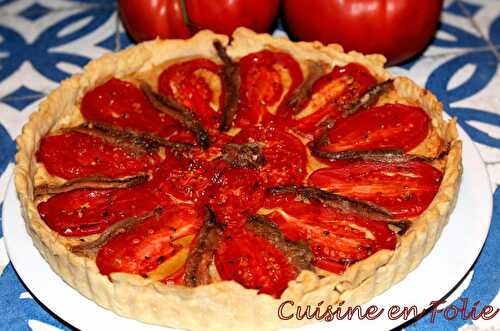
{"points": [[451, 258]]}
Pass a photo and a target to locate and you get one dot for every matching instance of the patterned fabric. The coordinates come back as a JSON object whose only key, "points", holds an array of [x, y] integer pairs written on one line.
{"points": [[44, 41]]}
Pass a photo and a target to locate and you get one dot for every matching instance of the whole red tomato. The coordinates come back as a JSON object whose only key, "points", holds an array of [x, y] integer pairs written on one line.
{"points": [[224, 16], [147, 19], [398, 29]]}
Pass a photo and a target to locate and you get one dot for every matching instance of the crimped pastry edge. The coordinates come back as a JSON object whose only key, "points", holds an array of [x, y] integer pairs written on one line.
{"points": [[226, 305]]}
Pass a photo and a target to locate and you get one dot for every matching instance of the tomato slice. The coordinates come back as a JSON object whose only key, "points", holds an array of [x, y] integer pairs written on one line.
{"points": [[404, 189], [337, 239], [85, 212], [330, 94], [267, 78], [198, 86], [122, 104], [149, 243], [391, 126], [285, 155], [266, 268], [76, 155], [185, 179], [237, 193]]}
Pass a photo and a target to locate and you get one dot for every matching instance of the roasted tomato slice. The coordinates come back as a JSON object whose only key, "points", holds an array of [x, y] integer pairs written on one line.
{"points": [[336, 239], [285, 157], [404, 189], [236, 194], [253, 262], [75, 155], [197, 85], [149, 243], [267, 78], [186, 179], [85, 212], [331, 94], [122, 104], [391, 126]]}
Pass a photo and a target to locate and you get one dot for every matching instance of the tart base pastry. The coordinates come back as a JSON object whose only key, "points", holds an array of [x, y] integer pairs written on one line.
{"points": [[227, 305]]}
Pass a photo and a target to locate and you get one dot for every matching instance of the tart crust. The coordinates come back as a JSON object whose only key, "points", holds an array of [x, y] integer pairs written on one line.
{"points": [[227, 305]]}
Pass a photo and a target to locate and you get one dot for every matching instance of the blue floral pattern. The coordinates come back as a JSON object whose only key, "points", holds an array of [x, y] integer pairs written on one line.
{"points": [[44, 41]]}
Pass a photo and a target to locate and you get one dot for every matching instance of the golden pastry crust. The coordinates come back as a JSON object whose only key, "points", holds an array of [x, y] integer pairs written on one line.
{"points": [[226, 305]]}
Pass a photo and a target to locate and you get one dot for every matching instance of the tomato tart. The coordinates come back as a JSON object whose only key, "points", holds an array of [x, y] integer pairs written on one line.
{"points": [[201, 183]]}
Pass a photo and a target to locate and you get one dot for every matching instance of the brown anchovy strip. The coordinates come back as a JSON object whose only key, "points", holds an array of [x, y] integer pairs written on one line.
{"points": [[297, 252], [369, 98], [388, 156], [90, 248], [347, 205], [231, 81], [178, 112], [95, 182], [201, 256], [136, 143], [315, 71], [243, 155]]}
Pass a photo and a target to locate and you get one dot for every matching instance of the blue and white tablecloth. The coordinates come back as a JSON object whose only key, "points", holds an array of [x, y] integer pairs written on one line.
{"points": [[45, 41]]}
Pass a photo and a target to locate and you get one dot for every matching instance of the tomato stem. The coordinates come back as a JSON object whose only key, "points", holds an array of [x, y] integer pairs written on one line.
{"points": [[193, 28]]}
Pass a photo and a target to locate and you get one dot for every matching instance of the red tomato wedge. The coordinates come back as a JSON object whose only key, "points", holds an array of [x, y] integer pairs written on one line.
{"points": [[190, 84], [330, 94], [85, 212], [391, 126], [253, 262], [262, 88], [237, 193], [336, 239], [185, 179], [122, 104], [404, 189], [285, 155], [149, 243], [76, 155]]}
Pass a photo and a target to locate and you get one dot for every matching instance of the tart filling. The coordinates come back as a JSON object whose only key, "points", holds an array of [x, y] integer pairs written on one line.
{"points": [[342, 216]]}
